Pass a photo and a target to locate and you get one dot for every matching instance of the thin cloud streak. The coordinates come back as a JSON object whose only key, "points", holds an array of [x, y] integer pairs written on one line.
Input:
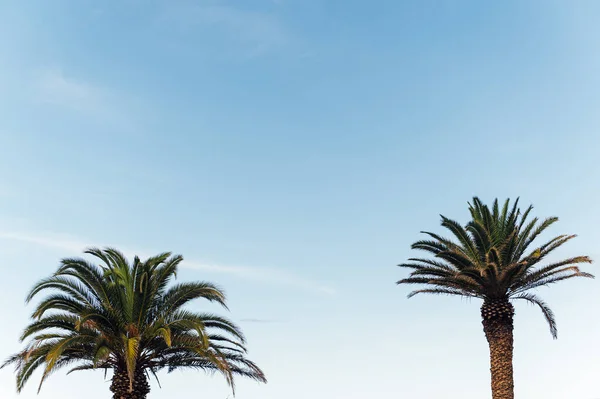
{"points": [[52, 87], [267, 321], [264, 275], [54, 241], [260, 31]]}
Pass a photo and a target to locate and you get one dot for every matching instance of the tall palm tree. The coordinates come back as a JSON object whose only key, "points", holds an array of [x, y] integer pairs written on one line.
{"points": [[493, 258], [127, 318]]}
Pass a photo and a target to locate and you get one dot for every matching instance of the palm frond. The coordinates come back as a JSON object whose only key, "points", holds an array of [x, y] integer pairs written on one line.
{"points": [[125, 316], [492, 257], [548, 314]]}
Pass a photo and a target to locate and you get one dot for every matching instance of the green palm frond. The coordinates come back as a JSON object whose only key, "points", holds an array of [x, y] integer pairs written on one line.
{"points": [[127, 316], [493, 257], [548, 314]]}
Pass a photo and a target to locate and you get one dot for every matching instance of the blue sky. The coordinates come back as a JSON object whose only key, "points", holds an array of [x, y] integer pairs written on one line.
{"points": [[291, 151]]}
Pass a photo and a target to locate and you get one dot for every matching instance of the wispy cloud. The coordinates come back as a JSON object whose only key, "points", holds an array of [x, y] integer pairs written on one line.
{"points": [[52, 86], [55, 241], [257, 31], [264, 275], [267, 321]]}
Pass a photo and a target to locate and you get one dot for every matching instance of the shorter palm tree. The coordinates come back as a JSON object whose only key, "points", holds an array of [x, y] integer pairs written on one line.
{"points": [[493, 258], [126, 318]]}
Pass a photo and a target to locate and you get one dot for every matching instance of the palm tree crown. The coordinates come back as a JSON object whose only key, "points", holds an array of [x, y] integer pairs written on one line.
{"points": [[493, 258], [126, 317]]}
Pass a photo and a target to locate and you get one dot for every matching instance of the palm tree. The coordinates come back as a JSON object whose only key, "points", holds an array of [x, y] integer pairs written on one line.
{"points": [[493, 258], [127, 318]]}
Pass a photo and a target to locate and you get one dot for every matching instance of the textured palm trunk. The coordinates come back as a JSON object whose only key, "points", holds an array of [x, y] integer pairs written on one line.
{"points": [[498, 327], [122, 389]]}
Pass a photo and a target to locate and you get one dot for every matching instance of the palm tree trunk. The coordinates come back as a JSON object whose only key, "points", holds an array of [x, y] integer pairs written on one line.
{"points": [[121, 388], [498, 327]]}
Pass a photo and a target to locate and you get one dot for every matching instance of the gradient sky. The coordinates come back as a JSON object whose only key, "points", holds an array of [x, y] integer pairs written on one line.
{"points": [[292, 150]]}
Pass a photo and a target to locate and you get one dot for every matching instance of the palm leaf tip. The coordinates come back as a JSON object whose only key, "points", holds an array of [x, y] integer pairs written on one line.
{"points": [[546, 311], [586, 275]]}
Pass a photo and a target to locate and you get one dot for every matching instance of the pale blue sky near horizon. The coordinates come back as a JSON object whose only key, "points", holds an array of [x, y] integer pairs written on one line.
{"points": [[292, 151]]}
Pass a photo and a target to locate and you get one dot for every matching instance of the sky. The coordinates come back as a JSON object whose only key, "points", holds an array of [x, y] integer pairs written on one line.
{"points": [[292, 150]]}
